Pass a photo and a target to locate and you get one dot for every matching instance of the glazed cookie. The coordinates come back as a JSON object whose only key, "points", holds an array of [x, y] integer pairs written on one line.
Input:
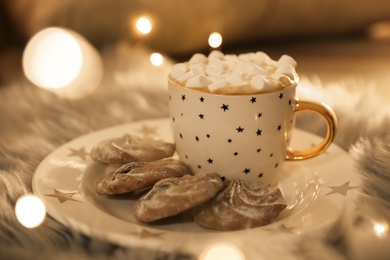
{"points": [[240, 205], [137, 176], [172, 196], [130, 148]]}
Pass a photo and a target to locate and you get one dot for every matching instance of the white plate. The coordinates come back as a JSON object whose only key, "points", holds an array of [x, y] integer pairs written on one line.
{"points": [[315, 190]]}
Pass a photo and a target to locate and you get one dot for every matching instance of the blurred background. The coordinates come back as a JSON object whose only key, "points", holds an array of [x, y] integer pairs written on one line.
{"points": [[330, 39]]}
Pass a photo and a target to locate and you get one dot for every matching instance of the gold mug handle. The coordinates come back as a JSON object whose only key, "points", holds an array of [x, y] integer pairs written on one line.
{"points": [[331, 121]]}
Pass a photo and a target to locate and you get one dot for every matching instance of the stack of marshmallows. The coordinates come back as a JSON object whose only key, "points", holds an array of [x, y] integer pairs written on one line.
{"points": [[235, 74]]}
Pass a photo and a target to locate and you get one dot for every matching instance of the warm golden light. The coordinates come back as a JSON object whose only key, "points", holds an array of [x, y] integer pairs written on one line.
{"points": [[222, 251], [156, 59], [143, 25], [380, 229], [215, 40], [52, 58], [30, 211], [63, 62]]}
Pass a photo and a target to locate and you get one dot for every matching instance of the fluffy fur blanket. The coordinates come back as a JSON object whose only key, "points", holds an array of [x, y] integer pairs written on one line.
{"points": [[35, 122]]}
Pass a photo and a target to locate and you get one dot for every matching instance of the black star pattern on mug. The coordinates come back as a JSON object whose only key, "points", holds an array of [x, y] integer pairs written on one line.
{"points": [[276, 165], [271, 154], [199, 166], [210, 161], [223, 178], [280, 95], [201, 116], [289, 102], [173, 119], [258, 132], [260, 175], [240, 129], [197, 138], [279, 127], [235, 153], [229, 140], [225, 107], [183, 97], [181, 136], [201, 99], [246, 171], [253, 100], [259, 115], [258, 150], [208, 135]]}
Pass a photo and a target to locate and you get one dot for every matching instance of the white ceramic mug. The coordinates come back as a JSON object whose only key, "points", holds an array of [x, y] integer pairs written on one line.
{"points": [[242, 136]]}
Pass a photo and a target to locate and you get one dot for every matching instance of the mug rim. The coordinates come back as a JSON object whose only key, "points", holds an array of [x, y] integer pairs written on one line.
{"points": [[272, 90]]}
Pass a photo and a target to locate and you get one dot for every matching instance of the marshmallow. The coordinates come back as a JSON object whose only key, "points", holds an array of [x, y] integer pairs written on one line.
{"points": [[235, 79], [199, 81], [246, 57], [198, 58], [217, 85], [186, 76], [178, 70], [287, 70], [196, 69], [256, 70], [260, 58], [216, 54], [214, 71], [260, 83], [242, 67], [285, 59]]}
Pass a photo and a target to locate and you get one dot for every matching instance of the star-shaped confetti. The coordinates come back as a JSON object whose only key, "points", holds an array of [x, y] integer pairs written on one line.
{"points": [[63, 196], [342, 189], [81, 153]]}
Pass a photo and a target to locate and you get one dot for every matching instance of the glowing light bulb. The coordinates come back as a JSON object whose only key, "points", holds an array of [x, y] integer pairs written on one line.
{"points": [[143, 25], [215, 40], [30, 211], [222, 251], [62, 61], [156, 59]]}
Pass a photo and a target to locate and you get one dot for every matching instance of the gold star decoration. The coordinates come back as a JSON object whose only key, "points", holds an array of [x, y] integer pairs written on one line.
{"points": [[148, 130], [145, 234], [342, 189], [63, 196], [81, 153]]}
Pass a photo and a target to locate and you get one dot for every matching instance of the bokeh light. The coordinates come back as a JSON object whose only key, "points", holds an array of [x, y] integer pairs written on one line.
{"points": [[30, 211], [156, 59], [63, 62], [215, 40], [222, 251], [380, 229], [52, 58], [143, 25]]}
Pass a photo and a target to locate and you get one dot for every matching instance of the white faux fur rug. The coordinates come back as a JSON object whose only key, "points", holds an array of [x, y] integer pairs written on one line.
{"points": [[35, 122]]}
